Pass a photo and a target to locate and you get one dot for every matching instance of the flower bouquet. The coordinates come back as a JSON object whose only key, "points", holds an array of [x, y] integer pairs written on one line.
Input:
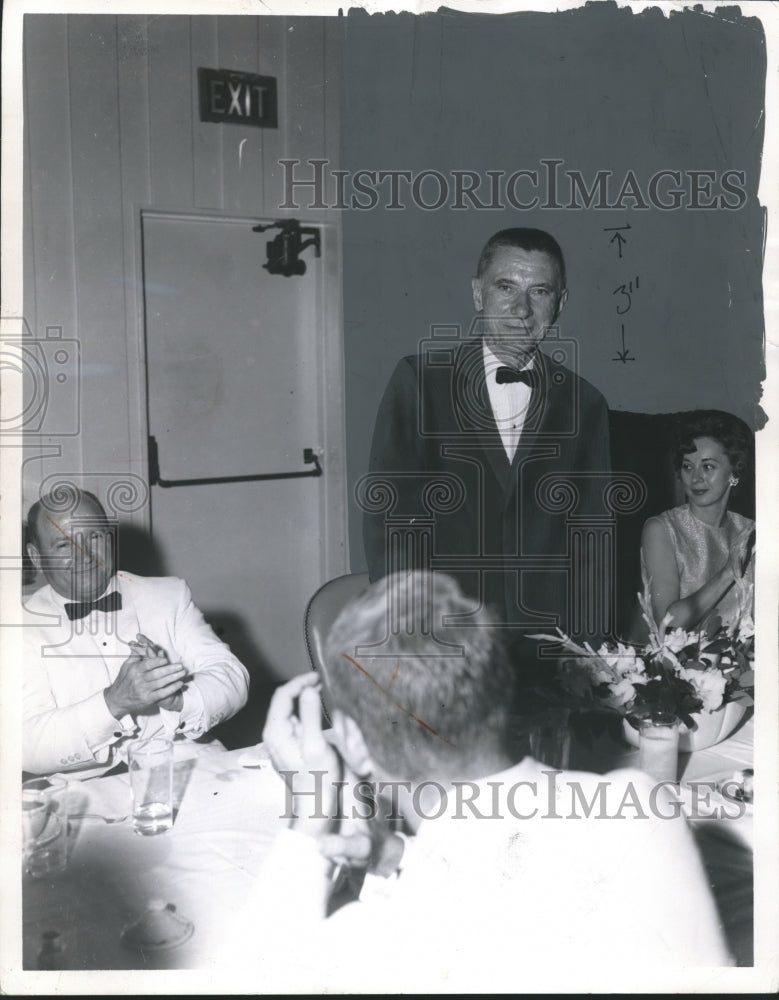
{"points": [[676, 674]]}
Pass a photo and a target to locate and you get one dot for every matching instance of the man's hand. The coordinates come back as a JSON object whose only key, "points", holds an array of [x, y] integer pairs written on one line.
{"points": [[295, 743], [365, 837], [146, 680], [145, 647], [378, 851]]}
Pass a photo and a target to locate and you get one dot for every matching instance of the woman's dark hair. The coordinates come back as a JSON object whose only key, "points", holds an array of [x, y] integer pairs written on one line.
{"points": [[733, 434]]}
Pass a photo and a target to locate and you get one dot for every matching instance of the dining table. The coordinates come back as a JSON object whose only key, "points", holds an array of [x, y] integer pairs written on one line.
{"points": [[722, 824], [228, 807]]}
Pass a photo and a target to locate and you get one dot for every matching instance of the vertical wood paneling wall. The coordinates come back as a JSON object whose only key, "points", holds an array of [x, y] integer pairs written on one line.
{"points": [[111, 128]]}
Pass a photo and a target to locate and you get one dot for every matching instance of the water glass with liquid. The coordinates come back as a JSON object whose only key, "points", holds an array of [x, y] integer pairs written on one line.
{"points": [[151, 780]]}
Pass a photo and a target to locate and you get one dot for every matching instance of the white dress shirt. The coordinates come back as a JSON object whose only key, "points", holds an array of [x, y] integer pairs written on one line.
{"points": [[582, 872], [509, 401]]}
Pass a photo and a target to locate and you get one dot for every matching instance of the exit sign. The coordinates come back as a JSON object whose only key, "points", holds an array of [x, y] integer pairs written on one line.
{"points": [[237, 98]]}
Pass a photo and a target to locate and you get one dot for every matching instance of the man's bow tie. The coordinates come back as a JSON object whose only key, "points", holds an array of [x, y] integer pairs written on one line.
{"points": [[504, 374], [108, 602]]}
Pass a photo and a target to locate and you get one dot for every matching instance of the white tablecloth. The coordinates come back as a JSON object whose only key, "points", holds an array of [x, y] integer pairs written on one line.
{"points": [[698, 774], [723, 829], [228, 815]]}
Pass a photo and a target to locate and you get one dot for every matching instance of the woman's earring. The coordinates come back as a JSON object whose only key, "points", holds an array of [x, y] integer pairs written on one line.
{"points": [[733, 481]]}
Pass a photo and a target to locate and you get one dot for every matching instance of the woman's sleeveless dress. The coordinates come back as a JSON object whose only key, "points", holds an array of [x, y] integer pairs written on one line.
{"points": [[701, 551]]}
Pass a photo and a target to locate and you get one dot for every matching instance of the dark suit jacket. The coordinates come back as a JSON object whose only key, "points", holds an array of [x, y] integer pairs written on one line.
{"points": [[502, 529]]}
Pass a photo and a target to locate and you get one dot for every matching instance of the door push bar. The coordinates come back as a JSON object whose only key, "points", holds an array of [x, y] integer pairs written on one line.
{"points": [[155, 479]]}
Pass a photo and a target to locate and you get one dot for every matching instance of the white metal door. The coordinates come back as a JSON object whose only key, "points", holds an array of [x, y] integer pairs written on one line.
{"points": [[235, 368]]}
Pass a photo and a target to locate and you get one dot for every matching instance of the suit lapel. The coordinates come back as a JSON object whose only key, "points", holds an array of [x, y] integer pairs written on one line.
{"points": [[110, 643], [70, 639], [537, 416], [474, 413], [127, 621], [540, 417]]}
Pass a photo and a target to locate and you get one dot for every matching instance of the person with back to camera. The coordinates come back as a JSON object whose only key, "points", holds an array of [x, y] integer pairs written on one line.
{"points": [[497, 871], [693, 556]]}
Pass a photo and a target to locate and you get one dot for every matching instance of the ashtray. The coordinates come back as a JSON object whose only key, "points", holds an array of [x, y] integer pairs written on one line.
{"points": [[158, 927]]}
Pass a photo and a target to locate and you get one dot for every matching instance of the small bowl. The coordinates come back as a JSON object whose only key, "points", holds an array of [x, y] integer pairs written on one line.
{"points": [[158, 927]]}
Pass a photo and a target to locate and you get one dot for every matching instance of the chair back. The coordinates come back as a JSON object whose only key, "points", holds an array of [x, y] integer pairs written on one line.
{"points": [[323, 609]]}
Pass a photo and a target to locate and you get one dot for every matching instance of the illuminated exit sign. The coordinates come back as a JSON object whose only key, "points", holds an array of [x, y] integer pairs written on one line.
{"points": [[240, 98]]}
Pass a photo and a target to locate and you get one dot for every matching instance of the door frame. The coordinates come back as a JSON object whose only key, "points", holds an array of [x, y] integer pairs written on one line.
{"points": [[331, 446]]}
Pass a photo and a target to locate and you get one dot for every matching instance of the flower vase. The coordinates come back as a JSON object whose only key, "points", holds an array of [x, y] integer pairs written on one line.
{"points": [[658, 746], [713, 728]]}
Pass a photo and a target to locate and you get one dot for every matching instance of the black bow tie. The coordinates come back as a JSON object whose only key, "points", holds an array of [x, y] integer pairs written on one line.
{"points": [[108, 602], [504, 374]]}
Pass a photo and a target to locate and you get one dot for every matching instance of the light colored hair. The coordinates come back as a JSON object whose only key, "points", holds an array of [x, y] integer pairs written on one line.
{"points": [[445, 689]]}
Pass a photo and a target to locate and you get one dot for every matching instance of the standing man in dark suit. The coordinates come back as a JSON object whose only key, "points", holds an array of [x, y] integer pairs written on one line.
{"points": [[490, 459]]}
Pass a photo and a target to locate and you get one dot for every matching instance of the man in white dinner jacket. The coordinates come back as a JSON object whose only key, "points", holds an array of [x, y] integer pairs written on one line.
{"points": [[506, 870], [111, 656]]}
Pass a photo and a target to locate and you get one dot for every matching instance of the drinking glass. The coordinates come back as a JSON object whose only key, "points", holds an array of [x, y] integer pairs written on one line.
{"points": [[658, 746], [550, 740], [151, 779], [45, 826]]}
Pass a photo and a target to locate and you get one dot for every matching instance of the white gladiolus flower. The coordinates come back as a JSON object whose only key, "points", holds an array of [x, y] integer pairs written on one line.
{"points": [[709, 686]]}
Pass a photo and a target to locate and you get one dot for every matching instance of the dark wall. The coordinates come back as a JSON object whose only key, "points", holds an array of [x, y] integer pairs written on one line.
{"points": [[599, 89]]}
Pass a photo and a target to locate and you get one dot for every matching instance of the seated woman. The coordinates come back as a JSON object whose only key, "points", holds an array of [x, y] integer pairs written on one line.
{"points": [[692, 555]]}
